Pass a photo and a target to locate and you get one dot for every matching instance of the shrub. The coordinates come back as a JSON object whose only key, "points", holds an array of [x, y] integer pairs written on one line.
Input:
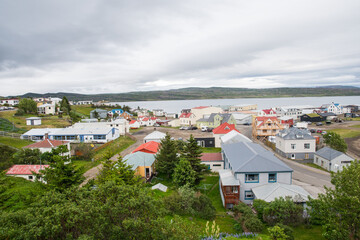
{"points": [[259, 206], [204, 208], [244, 209], [84, 152], [277, 233], [19, 112], [253, 224], [283, 211], [287, 230]]}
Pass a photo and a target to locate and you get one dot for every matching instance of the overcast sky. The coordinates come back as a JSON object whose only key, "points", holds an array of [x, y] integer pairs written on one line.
{"points": [[109, 46]]}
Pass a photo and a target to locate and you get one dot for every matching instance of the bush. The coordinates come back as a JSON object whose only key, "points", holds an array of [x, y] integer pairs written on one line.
{"points": [[287, 230], [19, 112], [84, 152], [259, 206], [283, 211], [204, 208], [253, 224], [277, 233], [244, 209]]}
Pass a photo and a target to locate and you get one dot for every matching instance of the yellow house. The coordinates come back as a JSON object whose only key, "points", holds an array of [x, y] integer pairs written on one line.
{"points": [[142, 163]]}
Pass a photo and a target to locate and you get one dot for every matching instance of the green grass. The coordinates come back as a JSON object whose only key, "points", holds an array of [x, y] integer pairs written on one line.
{"points": [[210, 150], [135, 130], [115, 147], [356, 126], [346, 133], [87, 165], [14, 142], [303, 233], [7, 126], [83, 109]]}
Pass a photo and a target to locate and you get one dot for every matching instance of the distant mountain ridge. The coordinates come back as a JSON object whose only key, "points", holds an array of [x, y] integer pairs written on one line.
{"points": [[206, 93]]}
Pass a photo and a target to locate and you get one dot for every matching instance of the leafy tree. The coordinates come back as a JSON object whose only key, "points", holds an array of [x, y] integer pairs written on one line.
{"points": [[47, 157], [277, 233], [117, 171], [126, 108], [338, 208], [85, 152], [61, 173], [335, 141], [6, 156], [184, 174], [283, 210], [167, 157], [27, 156], [74, 117], [65, 105], [192, 152], [28, 105], [115, 115]]}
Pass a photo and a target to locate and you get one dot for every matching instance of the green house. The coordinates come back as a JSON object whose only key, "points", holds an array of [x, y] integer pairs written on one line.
{"points": [[215, 120]]}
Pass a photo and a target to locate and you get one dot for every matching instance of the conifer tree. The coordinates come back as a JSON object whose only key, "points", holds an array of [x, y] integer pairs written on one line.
{"points": [[184, 174], [167, 157], [192, 152]]}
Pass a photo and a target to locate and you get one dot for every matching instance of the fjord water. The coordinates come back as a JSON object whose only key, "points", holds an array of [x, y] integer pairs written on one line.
{"points": [[175, 106]]}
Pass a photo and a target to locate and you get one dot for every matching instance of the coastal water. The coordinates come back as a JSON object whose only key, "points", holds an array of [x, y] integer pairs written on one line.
{"points": [[175, 106]]}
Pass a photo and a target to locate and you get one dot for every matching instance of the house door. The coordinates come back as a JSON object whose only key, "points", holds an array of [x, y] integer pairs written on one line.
{"points": [[81, 138], [31, 122], [292, 156], [147, 172]]}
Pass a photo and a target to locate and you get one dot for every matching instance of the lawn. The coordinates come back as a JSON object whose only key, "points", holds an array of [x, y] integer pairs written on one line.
{"points": [[115, 147], [83, 110], [86, 164], [210, 150], [315, 166], [346, 133], [357, 126], [7, 126], [14, 142]]}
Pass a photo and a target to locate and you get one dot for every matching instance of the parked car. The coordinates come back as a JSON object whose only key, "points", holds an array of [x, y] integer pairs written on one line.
{"points": [[210, 129], [182, 128], [247, 124], [204, 128], [319, 124], [324, 132], [319, 131], [192, 128], [156, 125], [313, 130]]}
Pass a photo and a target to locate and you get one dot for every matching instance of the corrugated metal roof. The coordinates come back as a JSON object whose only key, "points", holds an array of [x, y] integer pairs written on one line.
{"points": [[41, 131], [330, 154], [25, 169], [227, 178], [139, 159], [234, 137], [269, 192], [155, 135], [295, 133], [251, 157], [47, 143]]}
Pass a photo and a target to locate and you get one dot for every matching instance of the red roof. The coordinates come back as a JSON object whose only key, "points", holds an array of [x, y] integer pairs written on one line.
{"points": [[264, 119], [47, 143], [268, 111], [211, 157], [201, 107], [145, 119], [224, 128], [132, 121], [25, 169], [153, 118], [149, 147], [185, 115]]}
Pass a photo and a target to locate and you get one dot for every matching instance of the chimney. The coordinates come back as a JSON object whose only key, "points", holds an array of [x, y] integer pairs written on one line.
{"points": [[46, 135]]}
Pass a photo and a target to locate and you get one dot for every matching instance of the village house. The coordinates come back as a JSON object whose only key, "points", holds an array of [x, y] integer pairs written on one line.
{"points": [[205, 141], [134, 124], [312, 117], [48, 145], [293, 112], [126, 115], [221, 131], [26, 171], [33, 121], [171, 115], [242, 119], [331, 159], [267, 112], [242, 107], [332, 107], [249, 165], [158, 112], [46, 109], [263, 127], [200, 112], [187, 119], [233, 137], [10, 102], [295, 143], [86, 102], [99, 113], [142, 163], [286, 121], [155, 136], [148, 147], [115, 111], [215, 119], [213, 161], [328, 116]]}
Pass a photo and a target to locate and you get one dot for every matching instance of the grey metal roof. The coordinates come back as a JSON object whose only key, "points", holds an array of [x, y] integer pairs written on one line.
{"points": [[227, 178], [295, 133], [139, 159], [225, 117], [155, 135], [234, 137], [99, 110], [269, 192], [329, 153], [328, 114], [251, 157]]}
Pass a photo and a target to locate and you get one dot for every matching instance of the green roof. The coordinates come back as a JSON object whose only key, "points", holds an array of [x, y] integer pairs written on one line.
{"points": [[139, 159], [313, 115]]}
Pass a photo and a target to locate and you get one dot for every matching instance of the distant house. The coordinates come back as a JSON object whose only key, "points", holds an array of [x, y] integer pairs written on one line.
{"points": [[134, 124], [286, 121], [171, 115], [242, 107], [328, 116], [249, 165], [295, 143], [293, 112], [148, 147], [267, 112], [215, 119], [242, 119], [155, 136], [333, 108], [311, 117], [33, 121], [126, 115], [121, 124], [200, 112], [88, 102], [25, 171], [115, 111], [233, 137], [47, 145], [46, 109], [174, 123], [142, 163], [158, 112], [214, 161], [221, 131], [205, 142], [331, 159], [10, 102], [187, 119], [101, 113], [264, 127]]}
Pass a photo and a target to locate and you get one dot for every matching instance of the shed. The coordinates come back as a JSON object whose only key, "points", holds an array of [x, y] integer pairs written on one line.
{"points": [[33, 121], [155, 136]]}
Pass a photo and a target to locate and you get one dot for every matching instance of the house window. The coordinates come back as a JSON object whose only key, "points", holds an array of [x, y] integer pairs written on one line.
{"points": [[234, 189], [249, 195], [30, 177], [306, 156], [252, 178], [317, 159], [293, 146], [307, 145], [99, 137], [272, 177], [216, 165]]}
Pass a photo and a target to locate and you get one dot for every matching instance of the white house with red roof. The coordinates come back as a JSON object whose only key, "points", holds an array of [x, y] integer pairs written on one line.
{"points": [[267, 112], [47, 145], [134, 124], [187, 119], [10, 102], [264, 127], [25, 171], [221, 131], [147, 121], [213, 161]]}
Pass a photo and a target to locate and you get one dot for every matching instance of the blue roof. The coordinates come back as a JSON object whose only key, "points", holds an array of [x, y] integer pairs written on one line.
{"points": [[117, 110], [139, 159]]}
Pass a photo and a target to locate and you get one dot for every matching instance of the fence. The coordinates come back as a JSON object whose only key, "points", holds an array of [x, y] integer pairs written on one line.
{"points": [[9, 134]]}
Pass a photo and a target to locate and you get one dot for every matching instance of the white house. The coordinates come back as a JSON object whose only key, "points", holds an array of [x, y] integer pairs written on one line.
{"points": [[251, 166], [331, 159], [289, 111], [174, 123], [199, 112], [187, 119], [240, 118], [295, 143], [332, 107], [221, 131], [121, 124], [214, 161], [10, 102], [158, 112], [47, 145], [155, 136], [33, 121], [171, 115], [267, 112], [134, 124], [38, 134], [46, 109], [25, 171]]}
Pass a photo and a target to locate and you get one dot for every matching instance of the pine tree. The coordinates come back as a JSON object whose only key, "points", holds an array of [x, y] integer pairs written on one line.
{"points": [[192, 152], [167, 157], [65, 105], [184, 174]]}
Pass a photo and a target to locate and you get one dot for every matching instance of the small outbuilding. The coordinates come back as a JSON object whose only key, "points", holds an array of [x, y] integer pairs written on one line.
{"points": [[33, 121], [155, 136], [331, 159]]}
